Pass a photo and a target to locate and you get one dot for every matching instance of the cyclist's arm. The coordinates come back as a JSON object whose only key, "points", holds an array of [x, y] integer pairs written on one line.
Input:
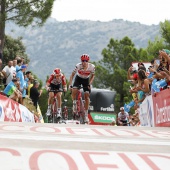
{"points": [[118, 119], [71, 78], [91, 79], [64, 82]]}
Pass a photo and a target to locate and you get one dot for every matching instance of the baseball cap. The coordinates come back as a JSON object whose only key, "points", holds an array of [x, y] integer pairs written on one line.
{"points": [[167, 51], [23, 66]]}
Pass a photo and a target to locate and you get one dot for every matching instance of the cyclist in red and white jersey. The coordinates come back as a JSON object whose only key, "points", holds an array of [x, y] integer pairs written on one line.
{"points": [[56, 81], [84, 73]]}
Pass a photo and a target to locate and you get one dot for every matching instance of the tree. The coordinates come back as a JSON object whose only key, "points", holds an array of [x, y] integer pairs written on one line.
{"points": [[160, 43], [12, 48], [111, 71], [165, 31], [23, 13]]}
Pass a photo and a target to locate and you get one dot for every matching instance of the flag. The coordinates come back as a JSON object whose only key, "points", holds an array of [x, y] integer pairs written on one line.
{"points": [[128, 106]]}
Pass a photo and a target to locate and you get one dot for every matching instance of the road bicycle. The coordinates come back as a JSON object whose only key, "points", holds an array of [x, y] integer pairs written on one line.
{"points": [[79, 110], [54, 109]]}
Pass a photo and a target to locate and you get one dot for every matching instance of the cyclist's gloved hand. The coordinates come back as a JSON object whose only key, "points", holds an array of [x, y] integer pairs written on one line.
{"points": [[65, 89], [70, 87], [89, 86], [47, 88]]}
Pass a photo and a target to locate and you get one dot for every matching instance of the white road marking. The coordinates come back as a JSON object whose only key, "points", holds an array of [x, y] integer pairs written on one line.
{"points": [[79, 139]]}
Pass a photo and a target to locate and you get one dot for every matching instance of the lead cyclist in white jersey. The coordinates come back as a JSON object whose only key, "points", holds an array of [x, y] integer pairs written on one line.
{"points": [[84, 73]]}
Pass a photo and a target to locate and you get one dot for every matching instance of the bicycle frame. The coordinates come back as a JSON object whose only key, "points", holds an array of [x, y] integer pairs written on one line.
{"points": [[65, 111], [54, 106], [79, 114]]}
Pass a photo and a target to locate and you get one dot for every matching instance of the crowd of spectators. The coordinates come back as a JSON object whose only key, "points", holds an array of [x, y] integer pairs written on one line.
{"points": [[150, 82], [18, 83]]}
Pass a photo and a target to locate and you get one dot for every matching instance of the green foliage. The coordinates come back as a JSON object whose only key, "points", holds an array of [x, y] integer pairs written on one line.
{"points": [[111, 71], [165, 31], [24, 13], [160, 42], [12, 48]]}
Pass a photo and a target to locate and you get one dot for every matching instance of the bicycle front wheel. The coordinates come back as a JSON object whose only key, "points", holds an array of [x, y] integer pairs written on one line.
{"points": [[54, 112], [82, 112]]}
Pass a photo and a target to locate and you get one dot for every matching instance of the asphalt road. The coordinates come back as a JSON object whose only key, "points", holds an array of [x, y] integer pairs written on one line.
{"points": [[25, 146]]}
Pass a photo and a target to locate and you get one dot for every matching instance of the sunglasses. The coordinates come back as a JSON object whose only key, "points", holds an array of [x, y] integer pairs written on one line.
{"points": [[84, 60]]}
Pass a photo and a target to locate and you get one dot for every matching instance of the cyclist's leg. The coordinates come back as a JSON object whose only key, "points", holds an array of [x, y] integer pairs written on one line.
{"points": [[76, 84], [59, 94], [86, 97], [50, 97]]}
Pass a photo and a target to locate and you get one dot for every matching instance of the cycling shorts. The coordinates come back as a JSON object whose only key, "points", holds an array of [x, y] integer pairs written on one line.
{"points": [[80, 81], [55, 87]]}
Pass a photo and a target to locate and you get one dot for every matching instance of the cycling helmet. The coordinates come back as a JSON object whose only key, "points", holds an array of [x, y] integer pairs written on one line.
{"points": [[57, 71], [122, 108], [85, 57]]}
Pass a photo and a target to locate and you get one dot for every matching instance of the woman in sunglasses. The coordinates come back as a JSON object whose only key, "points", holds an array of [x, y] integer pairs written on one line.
{"points": [[84, 73]]}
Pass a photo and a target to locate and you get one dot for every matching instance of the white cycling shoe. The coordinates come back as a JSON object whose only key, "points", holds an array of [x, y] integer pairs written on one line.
{"points": [[48, 113], [58, 115], [74, 107], [86, 119]]}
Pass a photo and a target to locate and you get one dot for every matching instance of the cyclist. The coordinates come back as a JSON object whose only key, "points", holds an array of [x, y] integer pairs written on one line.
{"points": [[123, 117], [56, 81], [83, 74]]}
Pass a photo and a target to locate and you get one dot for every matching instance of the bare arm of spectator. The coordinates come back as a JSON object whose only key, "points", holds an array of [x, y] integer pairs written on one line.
{"points": [[165, 56], [146, 85], [129, 76]]}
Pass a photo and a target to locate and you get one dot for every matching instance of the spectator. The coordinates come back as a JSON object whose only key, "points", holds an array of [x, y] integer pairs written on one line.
{"points": [[30, 84], [11, 90], [18, 66], [20, 77], [8, 72], [123, 117], [132, 73], [35, 93]]}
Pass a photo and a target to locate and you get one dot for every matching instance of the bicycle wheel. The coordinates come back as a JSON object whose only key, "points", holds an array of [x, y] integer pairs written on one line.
{"points": [[82, 113], [54, 111]]}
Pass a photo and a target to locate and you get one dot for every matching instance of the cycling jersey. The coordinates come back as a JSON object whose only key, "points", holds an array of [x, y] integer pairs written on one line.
{"points": [[124, 116], [57, 80], [79, 70]]}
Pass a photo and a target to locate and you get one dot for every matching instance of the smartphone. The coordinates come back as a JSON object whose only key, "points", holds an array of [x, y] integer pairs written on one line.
{"points": [[157, 61]]}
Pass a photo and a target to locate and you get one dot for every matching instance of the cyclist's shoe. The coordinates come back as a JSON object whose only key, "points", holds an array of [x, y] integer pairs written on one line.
{"points": [[48, 113], [58, 115], [74, 107], [86, 119]]}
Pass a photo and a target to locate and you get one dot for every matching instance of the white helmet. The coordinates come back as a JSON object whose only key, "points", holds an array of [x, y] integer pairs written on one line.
{"points": [[122, 108]]}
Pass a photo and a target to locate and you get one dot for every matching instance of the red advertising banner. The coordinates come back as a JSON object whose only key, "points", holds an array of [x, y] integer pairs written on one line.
{"points": [[161, 105], [12, 111]]}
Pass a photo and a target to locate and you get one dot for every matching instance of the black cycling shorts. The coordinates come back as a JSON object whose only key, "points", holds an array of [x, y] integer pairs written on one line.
{"points": [[55, 87], [80, 81], [124, 122]]}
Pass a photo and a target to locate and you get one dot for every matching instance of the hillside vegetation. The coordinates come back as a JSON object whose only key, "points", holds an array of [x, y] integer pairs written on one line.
{"points": [[60, 44]]}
